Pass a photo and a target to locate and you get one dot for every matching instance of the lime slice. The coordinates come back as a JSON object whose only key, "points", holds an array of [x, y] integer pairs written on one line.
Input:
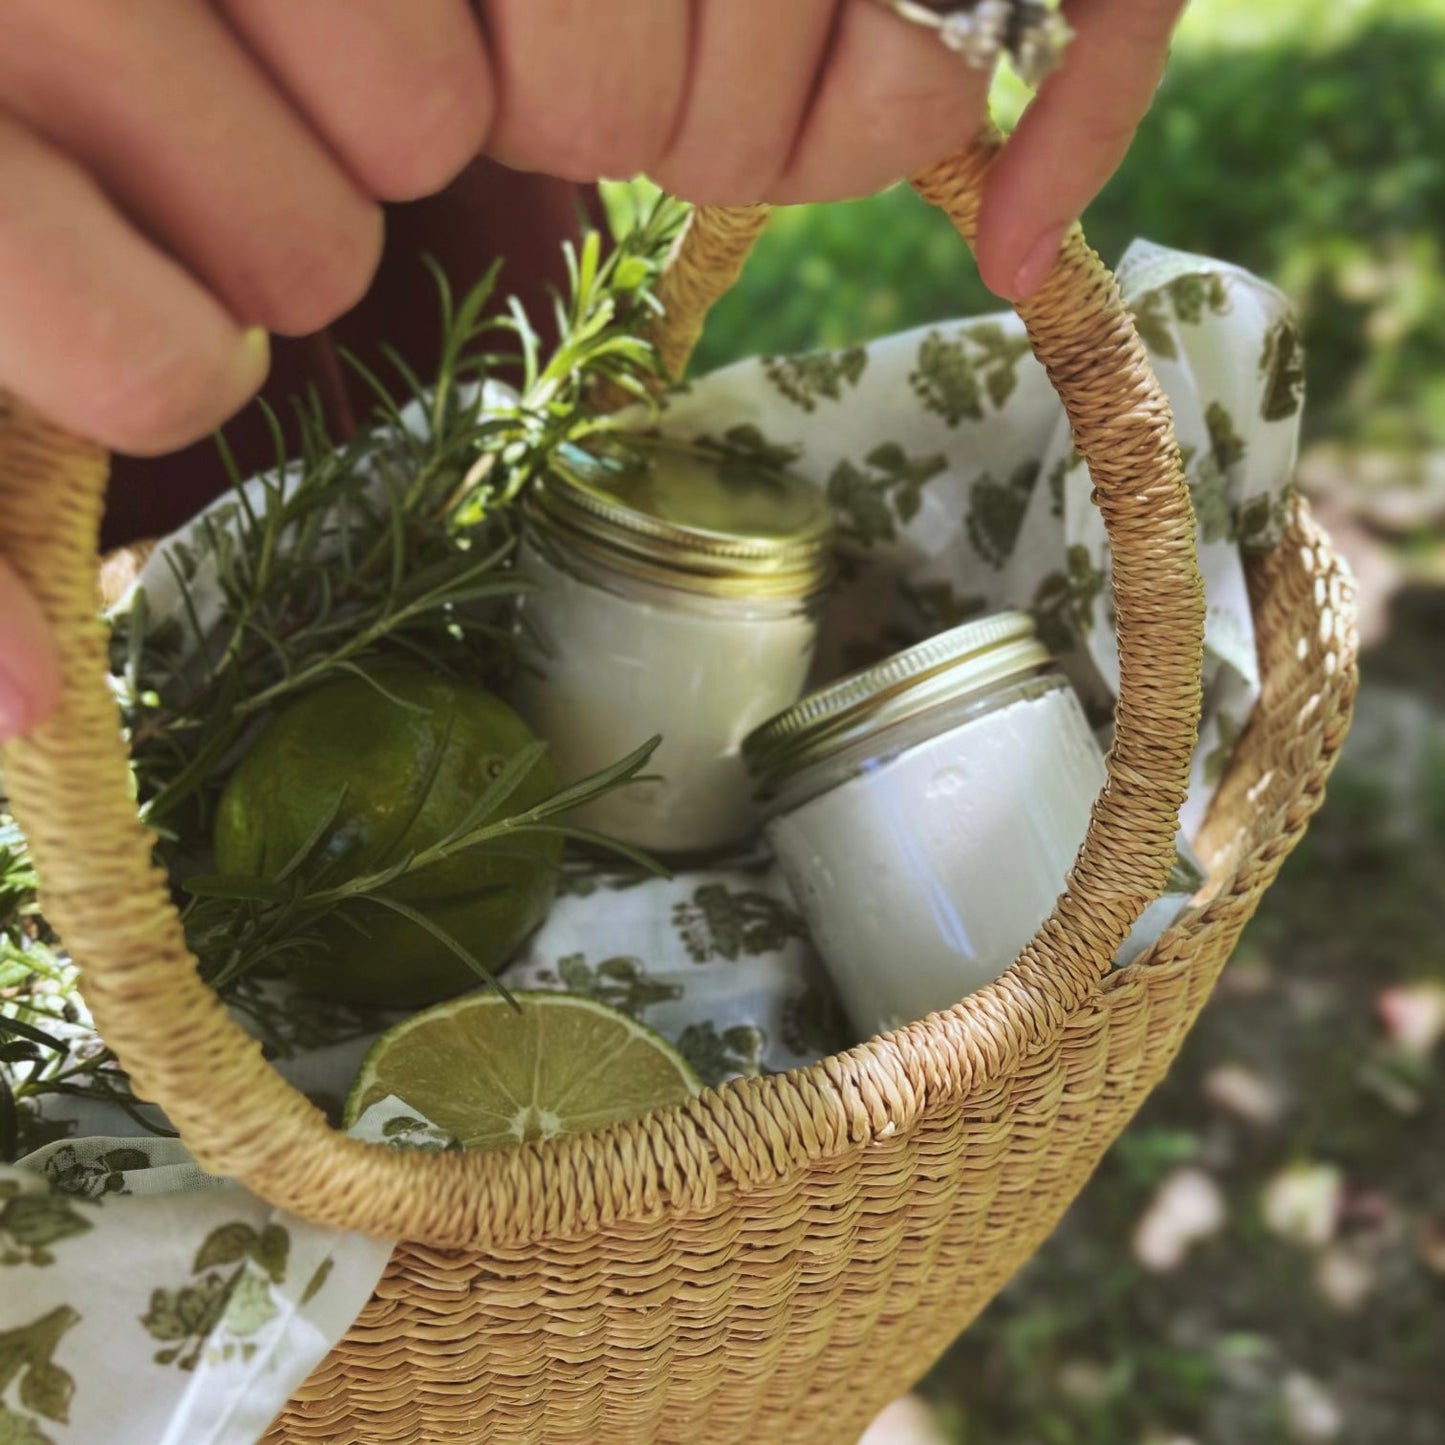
{"points": [[488, 1075]]}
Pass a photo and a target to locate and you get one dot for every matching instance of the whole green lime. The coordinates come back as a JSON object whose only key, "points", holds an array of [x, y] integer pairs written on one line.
{"points": [[407, 754]]}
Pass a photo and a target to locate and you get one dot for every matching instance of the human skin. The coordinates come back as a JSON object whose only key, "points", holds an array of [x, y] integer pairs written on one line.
{"points": [[179, 179]]}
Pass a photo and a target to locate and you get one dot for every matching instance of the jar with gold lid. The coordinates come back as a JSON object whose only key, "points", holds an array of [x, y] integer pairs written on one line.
{"points": [[926, 812], [675, 592]]}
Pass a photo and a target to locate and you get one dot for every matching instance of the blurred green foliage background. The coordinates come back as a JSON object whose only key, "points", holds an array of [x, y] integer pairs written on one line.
{"points": [[1303, 139]]}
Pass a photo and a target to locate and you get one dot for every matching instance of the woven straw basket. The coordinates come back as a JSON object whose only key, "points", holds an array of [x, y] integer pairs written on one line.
{"points": [[778, 1259]]}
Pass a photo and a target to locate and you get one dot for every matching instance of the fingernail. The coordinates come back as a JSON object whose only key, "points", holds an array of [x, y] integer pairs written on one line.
{"points": [[1038, 263], [255, 359], [16, 714]]}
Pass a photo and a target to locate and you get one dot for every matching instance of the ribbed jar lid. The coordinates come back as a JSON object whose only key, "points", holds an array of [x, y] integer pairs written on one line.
{"points": [[703, 518], [977, 656]]}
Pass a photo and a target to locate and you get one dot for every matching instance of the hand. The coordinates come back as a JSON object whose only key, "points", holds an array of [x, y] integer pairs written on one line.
{"points": [[181, 178], [732, 101]]}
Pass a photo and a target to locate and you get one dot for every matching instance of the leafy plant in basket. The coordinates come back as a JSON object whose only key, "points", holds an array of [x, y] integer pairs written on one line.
{"points": [[394, 547]]}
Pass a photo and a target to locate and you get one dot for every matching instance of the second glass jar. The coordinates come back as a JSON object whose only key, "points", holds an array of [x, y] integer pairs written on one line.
{"points": [[926, 812]]}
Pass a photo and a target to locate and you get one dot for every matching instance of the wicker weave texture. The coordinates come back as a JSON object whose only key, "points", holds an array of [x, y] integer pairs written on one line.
{"points": [[777, 1260], [794, 1313]]}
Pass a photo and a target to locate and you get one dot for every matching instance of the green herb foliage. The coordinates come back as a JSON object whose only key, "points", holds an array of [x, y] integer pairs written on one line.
{"points": [[397, 542]]}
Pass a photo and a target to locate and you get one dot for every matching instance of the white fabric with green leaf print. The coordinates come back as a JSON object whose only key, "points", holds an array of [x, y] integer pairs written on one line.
{"points": [[951, 465], [191, 1315], [718, 962], [187, 1317]]}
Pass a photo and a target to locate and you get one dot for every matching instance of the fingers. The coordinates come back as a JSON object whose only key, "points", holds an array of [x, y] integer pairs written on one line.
{"points": [[402, 93], [755, 67], [29, 669], [101, 331], [1072, 139], [183, 128], [892, 101], [587, 88]]}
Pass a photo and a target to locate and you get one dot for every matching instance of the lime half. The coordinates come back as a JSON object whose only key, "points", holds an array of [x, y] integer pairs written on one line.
{"points": [[487, 1074]]}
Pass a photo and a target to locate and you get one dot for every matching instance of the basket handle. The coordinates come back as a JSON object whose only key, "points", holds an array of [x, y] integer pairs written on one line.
{"points": [[69, 786], [1080, 330]]}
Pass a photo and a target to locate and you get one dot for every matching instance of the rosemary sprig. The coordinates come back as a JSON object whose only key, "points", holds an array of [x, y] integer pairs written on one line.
{"points": [[399, 541], [238, 924], [44, 1048]]}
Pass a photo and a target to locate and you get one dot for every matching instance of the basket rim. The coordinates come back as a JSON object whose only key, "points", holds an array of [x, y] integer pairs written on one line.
{"points": [[959, 1051], [751, 1133]]}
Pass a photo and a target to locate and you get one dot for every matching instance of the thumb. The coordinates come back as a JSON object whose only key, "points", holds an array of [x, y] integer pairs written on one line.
{"points": [[29, 665]]}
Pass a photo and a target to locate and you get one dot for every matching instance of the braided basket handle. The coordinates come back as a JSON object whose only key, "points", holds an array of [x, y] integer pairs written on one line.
{"points": [[69, 787]]}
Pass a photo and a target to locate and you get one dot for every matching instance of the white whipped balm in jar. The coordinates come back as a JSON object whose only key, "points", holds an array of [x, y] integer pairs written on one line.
{"points": [[925, 813], [676, 592]]}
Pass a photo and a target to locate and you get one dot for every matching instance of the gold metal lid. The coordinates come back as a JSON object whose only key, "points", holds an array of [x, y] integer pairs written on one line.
{"points": [[968, 659], [700, 518]]}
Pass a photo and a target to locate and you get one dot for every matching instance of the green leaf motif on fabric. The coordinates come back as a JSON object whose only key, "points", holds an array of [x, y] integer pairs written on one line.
{"points": [[1191, 295], [1224, 439], [1186, 298], [47, 1389], [804, 379], [861, 505], [939, 607], [229, 1244], [406, 1131], [996, 512], [716, 1056], [1001, 354], [1087, 583], [1063, 605], [1050, 610], [317, 1282], [31, 1223], [27, 1361], [943, 379], [1152, 322], [95, 1177], [184, 1318], [748, 441], [721, 923], [272, 1251], [237, 1304], [946, 378], [1282, 365], [621, 983], [872, 500], [289, 1022]]}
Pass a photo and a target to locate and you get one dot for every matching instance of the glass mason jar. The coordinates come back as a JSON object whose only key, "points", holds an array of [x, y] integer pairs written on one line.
{"points": [[676, 591], [926, 812]]}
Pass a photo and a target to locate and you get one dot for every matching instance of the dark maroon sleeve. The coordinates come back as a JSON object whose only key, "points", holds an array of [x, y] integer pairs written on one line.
{"points": [[488, 212]]}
